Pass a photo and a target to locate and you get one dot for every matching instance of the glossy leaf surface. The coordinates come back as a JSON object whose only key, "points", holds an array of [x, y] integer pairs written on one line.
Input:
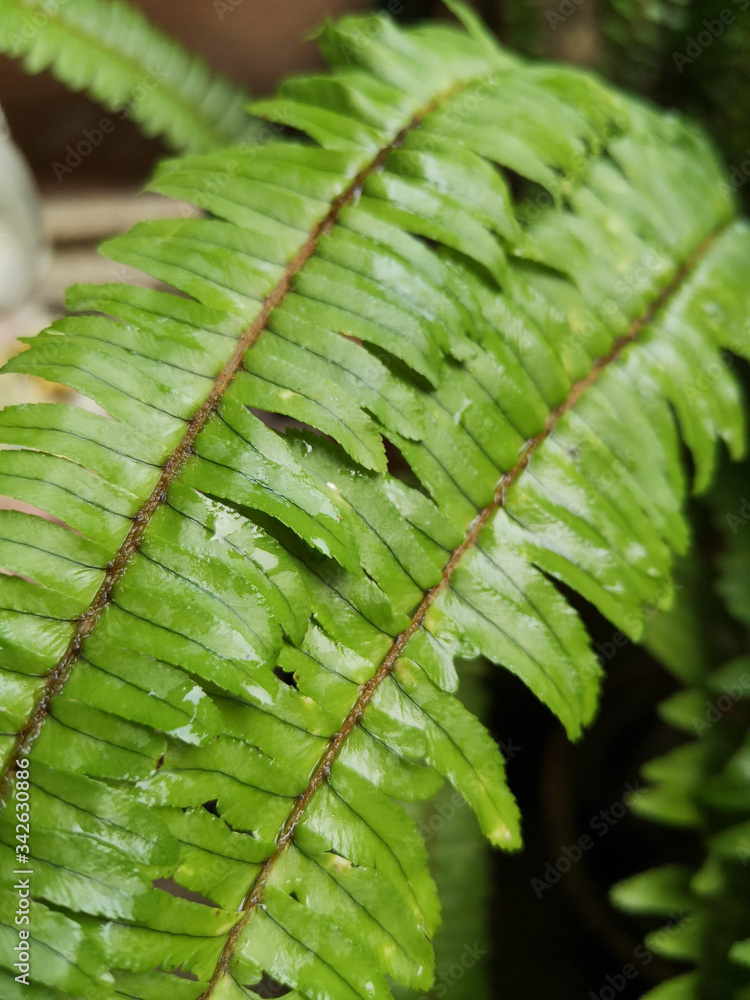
{"points": [[233, 652]]}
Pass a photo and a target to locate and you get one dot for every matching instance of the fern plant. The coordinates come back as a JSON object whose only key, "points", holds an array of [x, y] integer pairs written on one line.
{"points": [[112, 52], [702, 786], [230, 653]]}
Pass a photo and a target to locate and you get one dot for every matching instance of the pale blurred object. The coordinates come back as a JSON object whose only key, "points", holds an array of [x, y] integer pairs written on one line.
{"points": [[74, 224], [23, 248]]}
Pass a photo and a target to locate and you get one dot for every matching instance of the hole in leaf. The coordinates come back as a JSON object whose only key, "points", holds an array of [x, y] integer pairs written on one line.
{"points": [[397, 464], [336, 854], [517, 183], [179, 973], [399, 468], [269, 988], [175, 889], [349, 336], [286, 676], [9, 503], [280, 422]]}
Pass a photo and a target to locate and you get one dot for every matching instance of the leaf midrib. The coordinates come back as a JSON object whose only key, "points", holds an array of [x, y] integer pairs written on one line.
{"points": [[320, 774], [88, 620], [117, 567]]}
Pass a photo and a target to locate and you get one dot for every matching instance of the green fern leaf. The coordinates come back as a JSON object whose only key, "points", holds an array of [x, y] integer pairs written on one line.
{"points": [[111, 51], [703, 786], [231, 652]]}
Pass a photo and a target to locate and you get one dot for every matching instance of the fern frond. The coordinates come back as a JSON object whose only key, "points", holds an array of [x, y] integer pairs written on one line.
{"points": [[231, 652], [111, 51], [702, 786]]}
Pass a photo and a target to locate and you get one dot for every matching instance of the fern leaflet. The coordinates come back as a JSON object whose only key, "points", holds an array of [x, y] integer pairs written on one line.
{"points": [[112, 52]]}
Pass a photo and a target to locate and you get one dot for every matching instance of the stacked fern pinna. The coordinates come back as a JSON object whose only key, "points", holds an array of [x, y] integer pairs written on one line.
{"points": [[703, 785], [231, 653]]}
